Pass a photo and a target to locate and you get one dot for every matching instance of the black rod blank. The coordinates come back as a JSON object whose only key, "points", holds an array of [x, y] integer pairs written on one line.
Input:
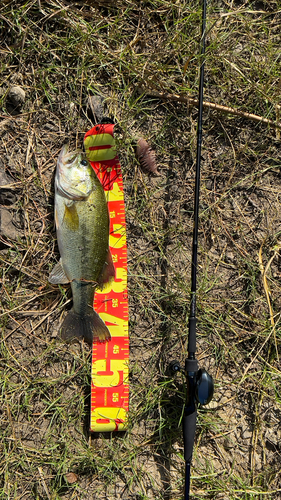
{"points": [[192, 323], [191, 364]]}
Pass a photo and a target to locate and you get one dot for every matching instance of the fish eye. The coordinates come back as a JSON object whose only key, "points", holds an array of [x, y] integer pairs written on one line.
{"points": [[84, 163]]}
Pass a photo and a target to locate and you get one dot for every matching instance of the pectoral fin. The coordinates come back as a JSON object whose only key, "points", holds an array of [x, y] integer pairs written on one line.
{"points": [[70, 217], [58, 276]]}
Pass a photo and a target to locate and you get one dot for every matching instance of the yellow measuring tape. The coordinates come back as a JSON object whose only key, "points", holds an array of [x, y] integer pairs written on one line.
{"points": [[110, 387]]}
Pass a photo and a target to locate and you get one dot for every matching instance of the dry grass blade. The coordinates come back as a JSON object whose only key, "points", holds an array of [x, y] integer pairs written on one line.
{"points": [[264, 271]]}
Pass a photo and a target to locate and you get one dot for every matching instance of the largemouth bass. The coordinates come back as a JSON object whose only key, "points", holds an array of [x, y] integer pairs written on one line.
{"points": [[82, 225]]}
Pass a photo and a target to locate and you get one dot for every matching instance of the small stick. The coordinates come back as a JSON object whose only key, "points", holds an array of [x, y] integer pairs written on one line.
{"points": [[214, 106]]}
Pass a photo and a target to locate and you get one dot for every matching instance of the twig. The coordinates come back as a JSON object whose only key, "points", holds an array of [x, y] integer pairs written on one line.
{"points": [[214, 106]]}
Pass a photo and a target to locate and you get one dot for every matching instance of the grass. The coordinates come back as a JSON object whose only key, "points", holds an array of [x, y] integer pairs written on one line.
{"points": [[59, 53]]}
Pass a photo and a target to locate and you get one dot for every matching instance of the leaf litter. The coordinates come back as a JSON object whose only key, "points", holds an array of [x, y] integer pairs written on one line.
{"points": [[59, 54]]}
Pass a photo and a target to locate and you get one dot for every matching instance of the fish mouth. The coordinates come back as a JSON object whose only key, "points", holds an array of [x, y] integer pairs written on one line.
{"points": [[68, 158]]}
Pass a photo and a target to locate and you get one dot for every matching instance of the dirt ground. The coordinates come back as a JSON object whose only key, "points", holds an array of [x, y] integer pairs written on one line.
{"points": [[58, 53]]}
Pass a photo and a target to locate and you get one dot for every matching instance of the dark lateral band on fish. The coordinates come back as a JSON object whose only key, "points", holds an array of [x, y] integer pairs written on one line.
{"points": [[82, 225]]}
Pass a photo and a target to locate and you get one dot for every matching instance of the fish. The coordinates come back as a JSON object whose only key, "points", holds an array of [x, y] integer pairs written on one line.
{"points": [[82, 227]]}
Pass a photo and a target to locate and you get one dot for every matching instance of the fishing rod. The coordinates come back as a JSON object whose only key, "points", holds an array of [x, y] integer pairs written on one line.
{"points": [[199, 384]]}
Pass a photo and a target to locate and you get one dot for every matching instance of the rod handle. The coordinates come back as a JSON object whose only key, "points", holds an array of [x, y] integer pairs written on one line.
{"points": [[189, 427]]}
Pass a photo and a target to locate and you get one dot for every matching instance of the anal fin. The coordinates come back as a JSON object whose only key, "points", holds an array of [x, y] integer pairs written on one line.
{"points": [[57, 275], [108, 273]]}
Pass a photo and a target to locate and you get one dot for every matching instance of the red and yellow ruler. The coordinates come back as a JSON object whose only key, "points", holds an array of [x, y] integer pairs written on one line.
{"points": [[110, 387]]}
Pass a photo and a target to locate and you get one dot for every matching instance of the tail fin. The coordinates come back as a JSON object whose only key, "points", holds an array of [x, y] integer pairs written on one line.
{"points": [[90, 327]]}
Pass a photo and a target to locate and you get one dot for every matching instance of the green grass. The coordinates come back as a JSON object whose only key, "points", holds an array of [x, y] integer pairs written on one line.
{"points": [[60, 53]]}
